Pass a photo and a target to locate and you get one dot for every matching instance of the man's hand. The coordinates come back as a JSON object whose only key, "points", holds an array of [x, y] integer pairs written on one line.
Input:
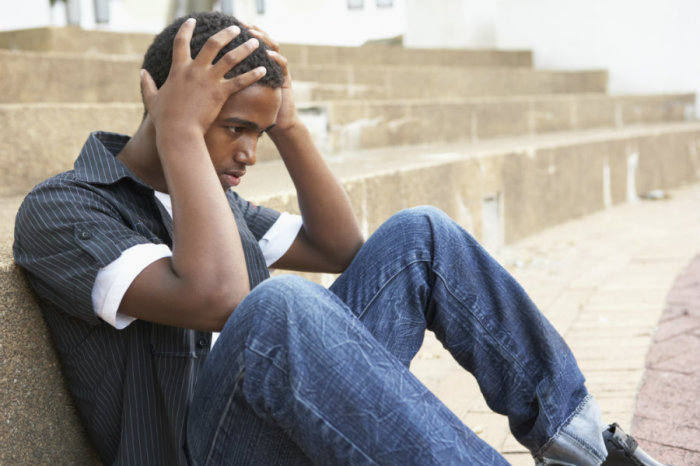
{"points": [[287, 117], [196, 89]]}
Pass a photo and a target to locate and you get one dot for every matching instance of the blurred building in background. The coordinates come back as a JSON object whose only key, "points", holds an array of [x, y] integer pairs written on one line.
{"points": [[646, 46]]}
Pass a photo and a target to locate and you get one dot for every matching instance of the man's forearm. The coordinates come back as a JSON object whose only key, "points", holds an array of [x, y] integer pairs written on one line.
{"points": [[206, 244], [329, 221]]}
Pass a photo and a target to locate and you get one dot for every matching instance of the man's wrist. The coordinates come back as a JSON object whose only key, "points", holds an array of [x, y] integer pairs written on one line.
{"points": [[178, 137], [290, 131]]}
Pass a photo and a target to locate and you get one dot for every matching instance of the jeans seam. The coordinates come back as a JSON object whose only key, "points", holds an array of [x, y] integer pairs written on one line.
{"points": [[481, 323], [226, 409], [311, 408], [438, 274], [387, 282]]}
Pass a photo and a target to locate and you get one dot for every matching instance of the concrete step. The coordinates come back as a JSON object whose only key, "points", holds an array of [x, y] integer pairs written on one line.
{"points": [[78, 40], [301, 54], [38, 140], [500, 190], [357, 125], [601, 167], [533, 181], [75, 40], [400, 82], [71, 77]]}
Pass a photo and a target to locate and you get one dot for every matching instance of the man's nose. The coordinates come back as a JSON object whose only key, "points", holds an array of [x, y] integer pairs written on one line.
{"points": [[246, 152]]}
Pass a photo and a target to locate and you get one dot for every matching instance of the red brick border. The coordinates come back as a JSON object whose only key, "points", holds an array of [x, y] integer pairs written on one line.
{"points": [[667, 416]]}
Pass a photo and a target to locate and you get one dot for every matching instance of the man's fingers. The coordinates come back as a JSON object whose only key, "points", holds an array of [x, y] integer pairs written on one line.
{"points": [[235, 56], [281, 60], [278, 58], [264, 37], [148, 89], [246, 79], [215, 43], [181, 43]]}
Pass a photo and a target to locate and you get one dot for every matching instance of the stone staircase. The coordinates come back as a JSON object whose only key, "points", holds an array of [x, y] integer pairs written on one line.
{"points": [[505, 149]]}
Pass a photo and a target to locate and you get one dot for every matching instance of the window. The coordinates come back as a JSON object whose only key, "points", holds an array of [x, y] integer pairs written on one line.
{"points": [[356, 4], [260, 7], [385, 3]]}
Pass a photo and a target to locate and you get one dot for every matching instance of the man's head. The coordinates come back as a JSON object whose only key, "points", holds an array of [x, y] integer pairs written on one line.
{"points": [[158, 57], [246, 114]]}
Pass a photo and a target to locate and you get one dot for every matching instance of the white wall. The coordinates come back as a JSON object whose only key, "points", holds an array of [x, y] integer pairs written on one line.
{"points": [[646, 45], [24, 14], [125, 15], [325, 21], [451, 24], [138, 15]]}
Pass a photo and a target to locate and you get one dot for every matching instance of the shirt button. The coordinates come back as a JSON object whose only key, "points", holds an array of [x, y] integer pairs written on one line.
{"points": [[201, 343], [85, 235]]}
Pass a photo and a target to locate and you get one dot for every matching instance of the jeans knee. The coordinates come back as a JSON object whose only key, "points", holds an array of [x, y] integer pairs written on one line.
{"points": [[282, 298], [421, 221], [281, 285], [426, 226], [419, 217], [421, 213]]}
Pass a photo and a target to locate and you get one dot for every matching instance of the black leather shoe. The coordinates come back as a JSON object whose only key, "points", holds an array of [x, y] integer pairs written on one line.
{"points": [[623, 449]]}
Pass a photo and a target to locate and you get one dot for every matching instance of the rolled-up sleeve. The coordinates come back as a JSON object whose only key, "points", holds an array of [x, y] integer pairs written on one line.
{"points": [[113, 280], [64, 234], [274, 231]]}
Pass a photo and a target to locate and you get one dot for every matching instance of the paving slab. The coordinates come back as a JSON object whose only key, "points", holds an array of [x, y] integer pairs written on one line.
{"points": [[604, 281]]}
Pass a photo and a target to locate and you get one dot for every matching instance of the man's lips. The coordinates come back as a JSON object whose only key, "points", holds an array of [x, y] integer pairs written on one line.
{"points": [[232, 177]]}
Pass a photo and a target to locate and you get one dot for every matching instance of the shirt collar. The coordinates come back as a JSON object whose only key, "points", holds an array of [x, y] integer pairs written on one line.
{"points": [[98, 164]]}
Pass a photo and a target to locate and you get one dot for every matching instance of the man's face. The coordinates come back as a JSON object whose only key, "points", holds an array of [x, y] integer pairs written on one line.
{"points": [[232, 139]]}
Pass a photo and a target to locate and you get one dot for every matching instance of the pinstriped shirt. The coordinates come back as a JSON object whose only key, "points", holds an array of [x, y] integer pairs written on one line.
{"points": [[131, 386]]}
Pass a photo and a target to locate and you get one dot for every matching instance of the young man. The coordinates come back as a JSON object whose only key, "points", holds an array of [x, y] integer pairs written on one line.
{"points": [[138, 254]]}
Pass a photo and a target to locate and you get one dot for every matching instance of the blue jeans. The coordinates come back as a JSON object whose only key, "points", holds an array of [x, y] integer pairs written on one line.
{"points": [[302, 374]]}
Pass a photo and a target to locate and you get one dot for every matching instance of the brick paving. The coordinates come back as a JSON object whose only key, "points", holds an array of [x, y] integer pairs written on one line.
{"points": [[667, 418], [605, 281]]}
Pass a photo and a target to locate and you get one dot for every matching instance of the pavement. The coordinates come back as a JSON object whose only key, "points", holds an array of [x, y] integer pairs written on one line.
{"points": [[623, 288]]}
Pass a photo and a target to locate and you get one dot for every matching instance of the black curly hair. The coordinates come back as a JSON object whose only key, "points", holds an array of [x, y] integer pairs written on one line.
{"points": [[158, 57]]}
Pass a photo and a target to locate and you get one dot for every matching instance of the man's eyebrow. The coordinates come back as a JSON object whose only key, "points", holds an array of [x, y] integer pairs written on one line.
{"points": [[250, 124]]}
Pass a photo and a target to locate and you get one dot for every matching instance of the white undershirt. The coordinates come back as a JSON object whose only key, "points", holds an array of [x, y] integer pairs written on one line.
{"points": [[115, 278]]}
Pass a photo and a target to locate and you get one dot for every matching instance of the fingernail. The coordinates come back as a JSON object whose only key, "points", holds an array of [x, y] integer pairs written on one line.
{"points": [[254, 42], [190, 20], [235, 29], [261, 70]]}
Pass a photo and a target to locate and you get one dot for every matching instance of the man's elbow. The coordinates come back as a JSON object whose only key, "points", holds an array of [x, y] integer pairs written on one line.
{"points": [[341, 261], [218, 305]]}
